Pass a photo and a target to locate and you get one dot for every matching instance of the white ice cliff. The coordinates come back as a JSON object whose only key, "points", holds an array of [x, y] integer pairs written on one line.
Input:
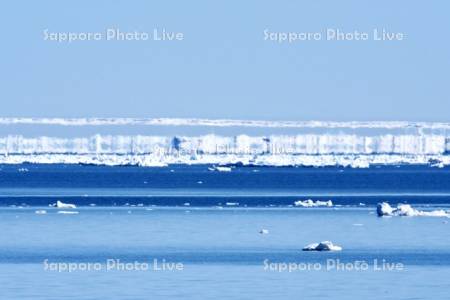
{"points": [[314, 143]]}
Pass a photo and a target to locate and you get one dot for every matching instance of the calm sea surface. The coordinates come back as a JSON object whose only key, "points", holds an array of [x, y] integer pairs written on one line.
{"points": [[133, 226]]}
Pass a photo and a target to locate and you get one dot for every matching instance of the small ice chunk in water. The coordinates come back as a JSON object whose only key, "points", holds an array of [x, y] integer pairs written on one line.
{"points": [[384, 209], [41, 212], [65, 212], [60, 204], [223, 169], [322, 246], [311, 203], [220, 168], [264, 231]]}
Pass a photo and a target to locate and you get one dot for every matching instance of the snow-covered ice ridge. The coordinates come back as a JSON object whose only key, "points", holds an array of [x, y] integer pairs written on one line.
{"points": [[223, 123], [272, 150]]}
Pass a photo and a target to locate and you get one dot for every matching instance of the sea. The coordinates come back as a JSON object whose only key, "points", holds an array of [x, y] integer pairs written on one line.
{"points": [[193, 232]]}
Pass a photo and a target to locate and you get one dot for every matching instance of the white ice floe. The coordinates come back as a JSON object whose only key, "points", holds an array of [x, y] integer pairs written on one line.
{"points": [[60, 204], [232, 204], [322, 246], [220, 168], [406, 210], [311, 203], [41, 212], [68, 212], [264, 231], [384, 209]]}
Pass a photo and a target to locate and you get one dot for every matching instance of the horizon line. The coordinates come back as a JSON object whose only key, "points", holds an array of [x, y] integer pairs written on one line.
{"points": [[121, 121]]}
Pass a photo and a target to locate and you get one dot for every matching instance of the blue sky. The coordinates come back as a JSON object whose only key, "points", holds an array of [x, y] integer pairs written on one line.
{"points": [[223, 68]]}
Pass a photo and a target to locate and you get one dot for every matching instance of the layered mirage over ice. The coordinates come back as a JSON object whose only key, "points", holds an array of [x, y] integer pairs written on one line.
{"points": [[410, 143]]}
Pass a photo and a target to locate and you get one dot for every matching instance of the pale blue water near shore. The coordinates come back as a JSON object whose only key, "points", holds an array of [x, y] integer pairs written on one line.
{"points": [[140, 215]]}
